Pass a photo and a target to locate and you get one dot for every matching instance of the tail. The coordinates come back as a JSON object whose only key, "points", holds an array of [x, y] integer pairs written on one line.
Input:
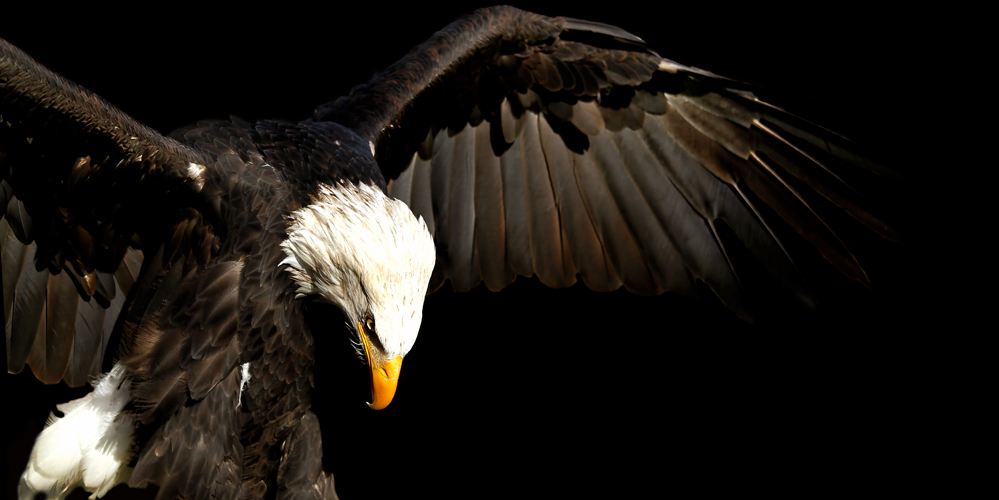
{"points": [[90, 446]]}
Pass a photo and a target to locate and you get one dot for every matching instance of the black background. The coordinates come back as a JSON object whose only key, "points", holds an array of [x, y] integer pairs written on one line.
{"points": [[531, 391]]}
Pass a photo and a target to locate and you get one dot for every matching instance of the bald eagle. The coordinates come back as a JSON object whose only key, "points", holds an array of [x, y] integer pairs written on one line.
{"points": [[545, 334]]}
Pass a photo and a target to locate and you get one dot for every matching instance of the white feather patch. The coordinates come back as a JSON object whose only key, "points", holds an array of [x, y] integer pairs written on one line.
{"points": [[244, 379], [87, 447], [367, 253]]}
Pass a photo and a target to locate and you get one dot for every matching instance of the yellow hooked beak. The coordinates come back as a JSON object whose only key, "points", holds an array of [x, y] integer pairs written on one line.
{"points": [[384, 374]]}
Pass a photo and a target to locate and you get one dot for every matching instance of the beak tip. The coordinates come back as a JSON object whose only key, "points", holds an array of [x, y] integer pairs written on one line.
{"points": [[377, 406]]}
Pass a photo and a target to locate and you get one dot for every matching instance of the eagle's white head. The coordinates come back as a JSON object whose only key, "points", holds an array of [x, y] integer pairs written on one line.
{"points": [[366, 253]]}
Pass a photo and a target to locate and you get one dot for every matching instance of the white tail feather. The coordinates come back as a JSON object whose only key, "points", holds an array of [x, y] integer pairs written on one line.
{"points": [[87, 447]]}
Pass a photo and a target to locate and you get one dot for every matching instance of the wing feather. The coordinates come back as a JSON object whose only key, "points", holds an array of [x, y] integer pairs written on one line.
{"points": [[543, 226], [440, 182], [714, 200], [490, 221], [518, 243], [92, 330], [462, 261], [613, 163], [51, 351], [28, 308], [729, 135], [580, 240], [609, 220], [688, 233]]}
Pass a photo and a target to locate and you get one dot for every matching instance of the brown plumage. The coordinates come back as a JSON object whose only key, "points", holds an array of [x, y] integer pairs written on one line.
{"points": [[504, 274]]}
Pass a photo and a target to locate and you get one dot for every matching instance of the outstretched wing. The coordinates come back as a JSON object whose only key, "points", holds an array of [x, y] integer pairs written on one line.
{"points": [[113, 236], [84, 189], [558, 147]]}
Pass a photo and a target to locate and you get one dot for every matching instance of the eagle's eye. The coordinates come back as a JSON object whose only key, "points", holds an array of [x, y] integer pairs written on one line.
{"points": [[369, 323]]}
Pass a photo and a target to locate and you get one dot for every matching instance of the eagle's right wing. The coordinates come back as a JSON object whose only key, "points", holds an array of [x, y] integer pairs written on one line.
{"points": [[114, 243], [85, 190]]}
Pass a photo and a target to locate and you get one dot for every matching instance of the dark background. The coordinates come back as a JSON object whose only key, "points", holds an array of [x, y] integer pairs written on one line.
{"points": [[531, 391]]}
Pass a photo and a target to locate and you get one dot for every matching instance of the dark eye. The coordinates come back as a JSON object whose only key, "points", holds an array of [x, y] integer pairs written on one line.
{"points": [[369, 322]]}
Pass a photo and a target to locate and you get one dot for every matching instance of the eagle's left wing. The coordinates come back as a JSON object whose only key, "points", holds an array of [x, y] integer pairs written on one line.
{"points": [[558, 147]]}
